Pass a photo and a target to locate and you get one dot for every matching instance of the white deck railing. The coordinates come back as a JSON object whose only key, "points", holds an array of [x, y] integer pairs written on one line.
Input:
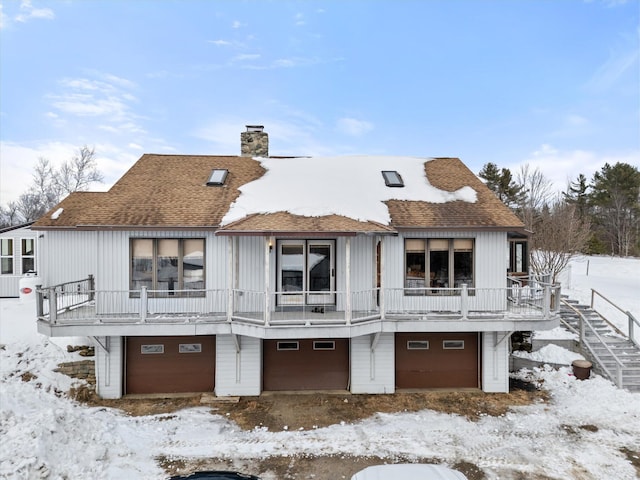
{"points": [[77, 303]]}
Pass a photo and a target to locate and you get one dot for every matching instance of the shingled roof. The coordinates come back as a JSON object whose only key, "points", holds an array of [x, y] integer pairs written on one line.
{"points": [[171, 192]]}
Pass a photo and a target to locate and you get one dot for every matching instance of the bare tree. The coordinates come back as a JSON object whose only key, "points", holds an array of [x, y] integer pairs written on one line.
{"points": [[9, 216], [537, 193], [78, 173], [560, 235], [49, 186]]}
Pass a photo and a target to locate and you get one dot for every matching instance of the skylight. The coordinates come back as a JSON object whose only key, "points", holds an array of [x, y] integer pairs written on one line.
{"points": [[217, 177], [392, 178]]}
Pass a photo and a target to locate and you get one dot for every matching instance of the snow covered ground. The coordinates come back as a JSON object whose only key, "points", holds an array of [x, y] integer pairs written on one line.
{"points": [[45, 435]]}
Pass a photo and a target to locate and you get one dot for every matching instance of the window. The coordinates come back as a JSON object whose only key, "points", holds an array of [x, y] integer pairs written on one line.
{"points": [[324, 345], [6, 256], [169, 266], [288, 346], [392, 178], [453, 345], [435, 265], [190, 348], [28, 254], [418, 345], [217, 177], [518, 256], [151, 349]]}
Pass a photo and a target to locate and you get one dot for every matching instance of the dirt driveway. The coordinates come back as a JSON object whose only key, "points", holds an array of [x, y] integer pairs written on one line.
{"points": [[279, 411]]}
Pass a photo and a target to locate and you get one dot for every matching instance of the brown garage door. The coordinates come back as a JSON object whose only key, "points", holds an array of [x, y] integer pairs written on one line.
{"points": [[170, 364], [437, 360], [310, 364]]}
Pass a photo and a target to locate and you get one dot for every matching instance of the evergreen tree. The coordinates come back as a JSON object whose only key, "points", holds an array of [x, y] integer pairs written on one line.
{"points": [[615, 197], [501, 182]]}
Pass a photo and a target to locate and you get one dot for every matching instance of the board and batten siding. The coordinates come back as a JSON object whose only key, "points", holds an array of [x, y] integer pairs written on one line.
{"points": [[109, 367], [67, 256], [238, 372], [249, 266], [373, 370], [495, 362]]}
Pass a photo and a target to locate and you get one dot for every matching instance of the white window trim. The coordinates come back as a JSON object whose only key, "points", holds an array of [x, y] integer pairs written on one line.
{"points": [[281, 346], [154, 349], [317, 347], [417, 344], [450, 343]]}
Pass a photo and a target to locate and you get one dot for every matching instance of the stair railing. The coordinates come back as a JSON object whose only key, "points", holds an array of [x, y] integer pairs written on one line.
{"points": [[584, 325], [632, 321]]}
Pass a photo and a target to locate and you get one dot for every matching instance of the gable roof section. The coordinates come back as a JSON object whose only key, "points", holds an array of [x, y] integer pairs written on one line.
{"points": [[159, 191], [451, 174], [170, 192]]}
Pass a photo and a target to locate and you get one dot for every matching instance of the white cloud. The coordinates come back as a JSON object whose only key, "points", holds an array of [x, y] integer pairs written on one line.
{"points": [[238, 24], [299, 20], [28, 12], [354, 127], [561, 167], [4, 19], [623, 59], [221, 43], [100, 95], [246, 57]]}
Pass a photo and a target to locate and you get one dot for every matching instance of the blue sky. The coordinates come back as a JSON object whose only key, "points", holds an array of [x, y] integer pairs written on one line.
{"points": [[552, 84]]}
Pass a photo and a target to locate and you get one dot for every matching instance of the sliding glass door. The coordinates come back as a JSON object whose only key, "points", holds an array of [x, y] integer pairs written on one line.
{"points": [[306, 272]]}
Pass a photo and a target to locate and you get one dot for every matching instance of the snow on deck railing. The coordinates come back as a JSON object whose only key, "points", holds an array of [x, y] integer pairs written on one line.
{"points": [[80, 304]]}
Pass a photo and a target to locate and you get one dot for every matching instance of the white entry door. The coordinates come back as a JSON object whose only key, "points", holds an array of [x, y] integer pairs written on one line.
{"points": [[306, 272]]}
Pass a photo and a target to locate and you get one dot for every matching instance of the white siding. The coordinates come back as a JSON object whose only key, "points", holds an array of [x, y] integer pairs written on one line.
{"points": [[238, 372], [250, 264], [363, 263], [495, 362], [373, 371], [109, 367], [67, 256]]}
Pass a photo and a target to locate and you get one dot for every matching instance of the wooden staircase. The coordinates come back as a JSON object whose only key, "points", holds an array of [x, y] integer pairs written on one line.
{"points": [[612, 353]]}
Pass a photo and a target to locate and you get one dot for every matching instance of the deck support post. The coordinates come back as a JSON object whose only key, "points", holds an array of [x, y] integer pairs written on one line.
{"points": [[143, 304]]}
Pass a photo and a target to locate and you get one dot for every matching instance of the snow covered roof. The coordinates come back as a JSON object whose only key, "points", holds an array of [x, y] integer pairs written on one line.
{"points": [[287, 195], [351, 186]]}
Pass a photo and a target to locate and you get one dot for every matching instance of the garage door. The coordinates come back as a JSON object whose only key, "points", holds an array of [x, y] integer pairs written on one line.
{"points": [[437, 360], [170, 364], [310, 364]]}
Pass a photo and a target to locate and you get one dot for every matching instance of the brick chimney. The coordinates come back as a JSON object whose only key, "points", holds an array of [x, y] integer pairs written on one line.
{"points": [[254, 142]]}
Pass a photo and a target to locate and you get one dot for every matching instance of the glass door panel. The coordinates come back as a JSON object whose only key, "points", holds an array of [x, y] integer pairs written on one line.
{"points": [[291, 273], [320, 271]]}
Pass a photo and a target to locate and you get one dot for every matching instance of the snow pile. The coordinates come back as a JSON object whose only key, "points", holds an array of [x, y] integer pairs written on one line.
{"points": [[581, 432], [550, 354], [558, 333], [326, 186]]}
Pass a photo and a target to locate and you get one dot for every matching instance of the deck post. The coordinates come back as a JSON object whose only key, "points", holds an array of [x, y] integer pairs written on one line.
{"points": [[53, 306], [92, 288], [464, 301], [143, 304], [230, 283], [268, 246], [546, 302], [39, 302], [381, 286], [347, 257]]}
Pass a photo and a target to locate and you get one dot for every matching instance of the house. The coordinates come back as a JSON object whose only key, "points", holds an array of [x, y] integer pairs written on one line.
{"points": [[250, 273], [18, 256]]}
